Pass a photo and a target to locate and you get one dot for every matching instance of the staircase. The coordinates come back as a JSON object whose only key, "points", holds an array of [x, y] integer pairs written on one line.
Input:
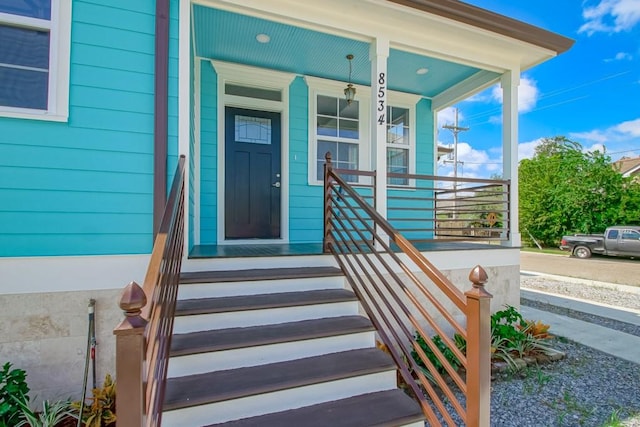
{"points": [[278, 346]]}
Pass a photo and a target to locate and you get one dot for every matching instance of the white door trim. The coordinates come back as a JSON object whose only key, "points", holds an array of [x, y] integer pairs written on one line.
{"points": [[261, 78]]}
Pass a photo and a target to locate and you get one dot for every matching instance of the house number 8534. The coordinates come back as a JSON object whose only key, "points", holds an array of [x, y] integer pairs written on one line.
{"points": [[381, 99]]}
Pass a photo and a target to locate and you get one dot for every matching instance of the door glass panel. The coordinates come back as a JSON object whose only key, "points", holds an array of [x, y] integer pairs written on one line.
{"points": [[254, 130]]}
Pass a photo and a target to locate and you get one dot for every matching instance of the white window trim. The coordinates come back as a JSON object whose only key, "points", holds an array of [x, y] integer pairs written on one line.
{"points": [[59, 62], [318, 86], [407, 101]]}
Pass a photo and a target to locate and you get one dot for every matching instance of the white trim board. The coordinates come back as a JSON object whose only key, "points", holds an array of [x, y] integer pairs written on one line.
{"points": [[71, 273]]}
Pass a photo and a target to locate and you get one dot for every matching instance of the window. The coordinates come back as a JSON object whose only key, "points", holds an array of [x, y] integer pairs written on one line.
{"points": [[34, 58], [630, 235], [344, 130], [398, 143], [613, 234], [338, 131]]}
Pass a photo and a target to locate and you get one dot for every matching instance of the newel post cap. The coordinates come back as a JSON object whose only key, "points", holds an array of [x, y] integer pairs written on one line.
{"points": [[132, 300], [478, 277]]}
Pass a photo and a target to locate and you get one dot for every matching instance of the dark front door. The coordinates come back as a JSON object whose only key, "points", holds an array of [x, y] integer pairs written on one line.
{"points": [[252, 174]]}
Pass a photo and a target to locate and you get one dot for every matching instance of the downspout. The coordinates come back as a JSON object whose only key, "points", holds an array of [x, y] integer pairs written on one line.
{"points": [[160, 117]]}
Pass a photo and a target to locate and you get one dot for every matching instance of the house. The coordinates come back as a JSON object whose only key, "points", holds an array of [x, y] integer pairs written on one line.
{"points": [[98, 100], [628, 166]]}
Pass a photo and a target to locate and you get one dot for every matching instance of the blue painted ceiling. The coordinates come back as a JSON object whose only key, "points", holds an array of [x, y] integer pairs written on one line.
{"points": [[231, 37]]}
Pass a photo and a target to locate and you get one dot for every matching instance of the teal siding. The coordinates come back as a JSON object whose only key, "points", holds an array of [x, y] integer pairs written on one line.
{"points": [[305, 205], [85, 187], [208, 154], [424, 138]]}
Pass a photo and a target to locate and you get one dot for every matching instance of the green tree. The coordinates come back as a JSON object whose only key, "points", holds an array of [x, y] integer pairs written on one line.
{"points": [[565, 190]]}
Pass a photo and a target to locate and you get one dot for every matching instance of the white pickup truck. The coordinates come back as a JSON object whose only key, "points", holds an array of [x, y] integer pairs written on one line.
{"points": [[616, 241]]}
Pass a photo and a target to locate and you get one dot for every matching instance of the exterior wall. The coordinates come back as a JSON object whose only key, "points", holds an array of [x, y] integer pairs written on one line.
{"points": [[208, 154], [46, 335], [77, 197], [85, 187]]}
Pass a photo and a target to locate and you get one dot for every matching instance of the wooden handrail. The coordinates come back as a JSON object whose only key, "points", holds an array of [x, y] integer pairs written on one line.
{"points": [[143, 338], [389, 285]]}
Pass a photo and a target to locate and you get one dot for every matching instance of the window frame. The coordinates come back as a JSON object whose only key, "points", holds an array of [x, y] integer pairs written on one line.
{"points": [[408, 102], [59, 28], [335, 89]]}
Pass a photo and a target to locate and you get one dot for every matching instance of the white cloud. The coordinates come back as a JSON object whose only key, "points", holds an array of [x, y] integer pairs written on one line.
{"points": [[595, 147], [448, 116], [592, 136], [472, 163], [620, 56], [526, 150], [617, 140], [528, 94], [621, 132], [610, 16], [630, 128]]}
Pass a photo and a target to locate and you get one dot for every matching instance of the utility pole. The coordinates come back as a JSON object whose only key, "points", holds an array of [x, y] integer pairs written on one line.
{"points": [[455, 129]]}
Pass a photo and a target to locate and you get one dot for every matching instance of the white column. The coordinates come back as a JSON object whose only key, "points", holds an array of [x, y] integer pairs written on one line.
{"points": [[184, 109], [378, 54], [510, 82]]}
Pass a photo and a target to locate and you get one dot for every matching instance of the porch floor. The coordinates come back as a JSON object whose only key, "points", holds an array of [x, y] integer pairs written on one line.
{"points": [[298, 249]]}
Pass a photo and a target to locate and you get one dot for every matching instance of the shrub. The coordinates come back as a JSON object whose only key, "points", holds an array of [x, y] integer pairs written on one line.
{"points": [[13, 391], [52, 414], [444, 349], [101, 410]]}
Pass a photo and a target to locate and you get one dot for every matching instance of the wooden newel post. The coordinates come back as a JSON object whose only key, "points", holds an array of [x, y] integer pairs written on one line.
{"points": [[327, 237], [478, 350], [130, 356]]}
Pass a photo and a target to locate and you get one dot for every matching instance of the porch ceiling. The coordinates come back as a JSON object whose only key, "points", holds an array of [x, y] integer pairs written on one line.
{"points": [[231, 37]]}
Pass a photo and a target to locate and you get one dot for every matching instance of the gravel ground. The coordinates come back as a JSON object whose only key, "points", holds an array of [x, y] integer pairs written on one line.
{"points": [[587, 388]]}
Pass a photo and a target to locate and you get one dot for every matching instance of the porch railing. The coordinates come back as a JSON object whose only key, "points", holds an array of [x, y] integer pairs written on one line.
{"points": [[405, 296], [430, 208], [435, 208], [143, 338]]}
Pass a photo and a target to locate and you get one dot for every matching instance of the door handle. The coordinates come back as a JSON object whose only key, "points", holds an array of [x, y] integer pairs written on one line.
{"points": [[276, 184]]}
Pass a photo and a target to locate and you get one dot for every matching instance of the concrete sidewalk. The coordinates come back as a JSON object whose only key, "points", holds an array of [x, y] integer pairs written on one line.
{"points": [[616, 343]]}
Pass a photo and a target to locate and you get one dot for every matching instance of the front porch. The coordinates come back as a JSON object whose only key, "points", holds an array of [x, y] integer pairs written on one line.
{"points": [[273, 85]]}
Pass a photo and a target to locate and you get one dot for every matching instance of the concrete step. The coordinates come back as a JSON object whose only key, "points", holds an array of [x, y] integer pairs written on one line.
{"points": [[222, 396], [252, 310], [206, 351], [214, 284], [389, 408]]}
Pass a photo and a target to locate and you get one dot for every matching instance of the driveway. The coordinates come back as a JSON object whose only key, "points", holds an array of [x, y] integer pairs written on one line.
{"points": [[602, 269]]}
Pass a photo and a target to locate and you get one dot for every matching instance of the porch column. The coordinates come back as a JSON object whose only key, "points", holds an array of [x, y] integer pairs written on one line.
{"points": [[510, 82], [378, 54]]}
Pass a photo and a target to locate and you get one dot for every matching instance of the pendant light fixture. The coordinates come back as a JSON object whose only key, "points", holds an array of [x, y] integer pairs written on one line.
{"points": [[350, 91]]}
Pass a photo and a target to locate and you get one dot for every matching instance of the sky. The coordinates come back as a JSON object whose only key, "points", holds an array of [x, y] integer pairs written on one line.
{"points": [[589, 94]]}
